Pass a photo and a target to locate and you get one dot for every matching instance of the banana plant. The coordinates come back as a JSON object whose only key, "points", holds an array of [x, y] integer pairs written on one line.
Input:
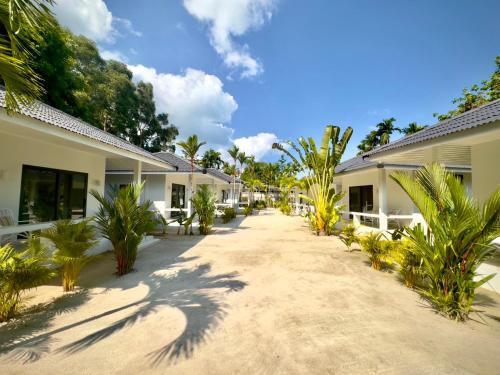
{"points": [[318, 165]]}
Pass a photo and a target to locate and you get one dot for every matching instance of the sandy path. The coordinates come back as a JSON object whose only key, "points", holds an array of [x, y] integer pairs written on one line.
{"points": [[260, 296]]}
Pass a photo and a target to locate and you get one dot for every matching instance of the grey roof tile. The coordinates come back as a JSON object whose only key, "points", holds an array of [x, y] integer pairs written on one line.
{"points": [[181, 164], [354, 164], [481, 116], [55, 117]]}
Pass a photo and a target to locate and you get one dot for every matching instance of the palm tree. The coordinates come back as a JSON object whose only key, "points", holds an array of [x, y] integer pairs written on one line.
{"points": [[368, 143], [319, 168], [124, 223], [385, 130], [412, 128], [72, 240], [211, 159], [22, 24], [242, 158], [233, 152], [461, 233], [190, 148], [204, 205]]}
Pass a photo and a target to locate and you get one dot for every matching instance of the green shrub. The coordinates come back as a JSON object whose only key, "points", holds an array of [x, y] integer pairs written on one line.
{"points": [[21, 270], [403, 253], [348, 235], [71, 240], [259, 205], [458, 241], [124, 222], [204, 206], [248, 210], [377, 249], [285, 208], [228, 214]]}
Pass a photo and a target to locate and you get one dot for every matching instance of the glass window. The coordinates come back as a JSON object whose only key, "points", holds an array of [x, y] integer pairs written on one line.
{"points": [[361, 198], [51, 194], [178, 198]]}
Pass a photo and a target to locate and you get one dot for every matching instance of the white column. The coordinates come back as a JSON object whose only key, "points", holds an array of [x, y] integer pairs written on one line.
{"points": [[382, 198], [138, 174], [167, 197], [189, 194]]}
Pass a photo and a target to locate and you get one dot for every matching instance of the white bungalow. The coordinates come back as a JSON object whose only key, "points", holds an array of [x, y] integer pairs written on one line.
{"points": [[468, 145]]}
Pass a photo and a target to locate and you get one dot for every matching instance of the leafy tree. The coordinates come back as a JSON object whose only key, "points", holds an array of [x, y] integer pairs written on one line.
{"points": [[459, 239], [412, 128], [476, 95], [165, 135], [21, 27], [211, 159]]}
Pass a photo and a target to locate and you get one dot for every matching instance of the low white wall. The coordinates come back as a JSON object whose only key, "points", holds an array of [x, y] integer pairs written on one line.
{"points": [[16, 151]]}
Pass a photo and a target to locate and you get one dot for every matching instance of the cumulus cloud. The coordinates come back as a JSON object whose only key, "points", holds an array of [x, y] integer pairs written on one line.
{"points": [[195, 102], [258, 145], [113, 55], [93, 19], [233, 18]]}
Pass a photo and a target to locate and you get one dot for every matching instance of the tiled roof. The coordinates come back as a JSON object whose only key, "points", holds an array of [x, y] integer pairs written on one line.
{"points": [[221, 175], [354, 164], [475, 118], [53, 116]]}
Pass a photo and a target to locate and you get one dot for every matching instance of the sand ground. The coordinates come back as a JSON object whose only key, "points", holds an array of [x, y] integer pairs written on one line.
{"points": [[259, 296]]}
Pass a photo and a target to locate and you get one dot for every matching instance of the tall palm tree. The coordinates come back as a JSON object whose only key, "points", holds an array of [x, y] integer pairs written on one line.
{"points": [[190, 148], [211, 159], [413, 128], [242, 158], [385, 130], [22, 24], [233, 152]]}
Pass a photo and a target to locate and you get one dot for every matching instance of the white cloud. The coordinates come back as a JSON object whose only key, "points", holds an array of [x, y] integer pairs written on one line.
{"points": [[233, 18], [113, 55], [195, 101], [93, 19], [258, 145]]}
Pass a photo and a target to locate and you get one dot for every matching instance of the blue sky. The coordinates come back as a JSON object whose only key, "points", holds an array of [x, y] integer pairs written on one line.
{"points": [[254, 71]]}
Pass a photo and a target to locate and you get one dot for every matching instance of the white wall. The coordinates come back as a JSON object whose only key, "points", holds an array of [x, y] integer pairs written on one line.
{"points": [[16, 151], [485, 169]]}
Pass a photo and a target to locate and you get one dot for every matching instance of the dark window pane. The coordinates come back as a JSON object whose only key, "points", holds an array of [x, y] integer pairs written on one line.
{"points": [[178, 198]]}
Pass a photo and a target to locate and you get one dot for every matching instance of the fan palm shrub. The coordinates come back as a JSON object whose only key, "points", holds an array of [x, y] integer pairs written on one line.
{"points": [[124, 221], [319, 169], [377, 249], [459, 239], [19, 271], [348, 235], [204, 206], [72, 240]]}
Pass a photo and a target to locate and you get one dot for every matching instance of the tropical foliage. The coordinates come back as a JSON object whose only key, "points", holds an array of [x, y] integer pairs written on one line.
{"points": [[204, 206], [22, 24], [124, 221], [286, 184], [190, 148], [348, 235], [459, 237], [21, 270], [228, 214], [403, 252], [211, 159], [377, 248], [413, 128], [72, 240], [248, 210], [319, 168], [380, 136]]}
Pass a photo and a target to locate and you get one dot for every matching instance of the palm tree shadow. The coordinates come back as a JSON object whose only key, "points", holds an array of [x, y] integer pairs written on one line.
{"points": [[187, 291]]}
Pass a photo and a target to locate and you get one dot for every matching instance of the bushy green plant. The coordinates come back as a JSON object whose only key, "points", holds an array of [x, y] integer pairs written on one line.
{"points": [[459, 238], [348, 235], [319, 168], [259, 205], [285, 208], [72, 240], [228, 214], [204, 206], [124, 222], [403, 252], [376, 247], [248, 210], [21, 270]]}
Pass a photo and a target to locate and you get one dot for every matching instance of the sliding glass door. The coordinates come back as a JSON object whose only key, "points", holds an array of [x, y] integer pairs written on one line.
{"points": [[360, 198], [51, 194]]}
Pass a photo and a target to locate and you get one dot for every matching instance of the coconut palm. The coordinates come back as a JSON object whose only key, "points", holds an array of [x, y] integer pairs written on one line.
{"points": [[459, 238], [21, 270], [22, 23], [204, 206], [385, 130], [190, 148], [211, 159], [319, 168], [242, 158], [234, 152], [413, 128], [124, 223], [72, 240]]}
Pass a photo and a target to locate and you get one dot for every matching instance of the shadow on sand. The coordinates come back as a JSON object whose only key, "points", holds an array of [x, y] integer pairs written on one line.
{"points": [[188, 290]]}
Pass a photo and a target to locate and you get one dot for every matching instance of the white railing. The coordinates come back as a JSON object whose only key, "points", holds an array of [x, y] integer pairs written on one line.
{"points": [[415, 218]]}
